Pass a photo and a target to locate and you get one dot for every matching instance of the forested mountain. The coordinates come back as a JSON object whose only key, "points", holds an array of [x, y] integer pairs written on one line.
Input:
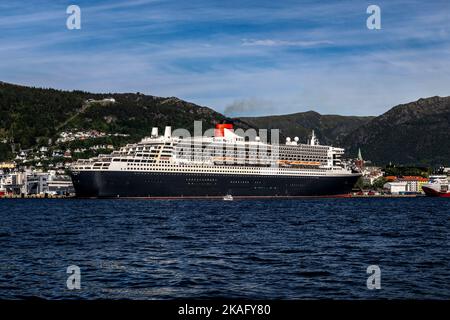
{"points": [[416, 133], [330, 129]]}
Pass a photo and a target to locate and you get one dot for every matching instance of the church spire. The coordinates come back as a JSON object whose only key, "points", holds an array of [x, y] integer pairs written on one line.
{"points": [[359, 154]]}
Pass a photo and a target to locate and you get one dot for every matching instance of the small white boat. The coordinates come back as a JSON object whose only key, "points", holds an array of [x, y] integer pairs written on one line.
{"points": [[228, 197]]}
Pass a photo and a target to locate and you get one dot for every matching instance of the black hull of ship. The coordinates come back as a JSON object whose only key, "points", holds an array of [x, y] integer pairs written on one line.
{"points": [[116, 184]]}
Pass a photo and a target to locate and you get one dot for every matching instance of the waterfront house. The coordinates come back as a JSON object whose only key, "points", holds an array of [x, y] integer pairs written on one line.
{"points": [[395, 187], [413, 183]]}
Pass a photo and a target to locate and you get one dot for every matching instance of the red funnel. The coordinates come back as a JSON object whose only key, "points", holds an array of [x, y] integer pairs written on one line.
{"points": [[220, 129]]}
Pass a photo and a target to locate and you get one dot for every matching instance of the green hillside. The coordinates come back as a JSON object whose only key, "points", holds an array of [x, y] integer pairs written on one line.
{"points": [[32, 116]]}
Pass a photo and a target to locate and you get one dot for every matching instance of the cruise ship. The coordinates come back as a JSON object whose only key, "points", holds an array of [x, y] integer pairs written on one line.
{"points": [[222, 164]]}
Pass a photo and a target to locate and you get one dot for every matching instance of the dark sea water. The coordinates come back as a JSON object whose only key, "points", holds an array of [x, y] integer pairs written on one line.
{"points": [[288, 249]]}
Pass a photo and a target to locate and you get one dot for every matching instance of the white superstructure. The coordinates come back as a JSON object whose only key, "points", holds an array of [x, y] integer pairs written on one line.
{"points": [[224, 153]]}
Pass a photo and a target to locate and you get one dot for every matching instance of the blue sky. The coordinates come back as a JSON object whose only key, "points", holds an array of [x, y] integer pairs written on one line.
{"points": [[238, 57]]}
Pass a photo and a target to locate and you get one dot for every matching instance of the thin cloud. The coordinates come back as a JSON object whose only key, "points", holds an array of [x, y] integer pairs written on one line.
{"points": [[284, 43]]}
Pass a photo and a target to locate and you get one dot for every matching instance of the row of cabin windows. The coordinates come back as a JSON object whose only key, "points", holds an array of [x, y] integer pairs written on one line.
{"points": [[236, 171], [214, 167], [241, 154], [314, 172]]}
